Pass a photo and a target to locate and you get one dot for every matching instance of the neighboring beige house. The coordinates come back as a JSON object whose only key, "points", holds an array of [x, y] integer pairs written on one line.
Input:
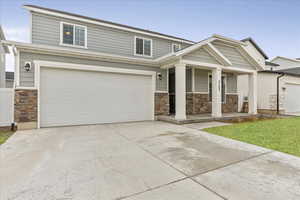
{"points": [[3, 50], [272, 97]]}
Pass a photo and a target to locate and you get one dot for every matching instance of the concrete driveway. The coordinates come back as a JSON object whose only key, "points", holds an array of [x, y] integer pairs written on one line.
{"points": [[141, 161]]}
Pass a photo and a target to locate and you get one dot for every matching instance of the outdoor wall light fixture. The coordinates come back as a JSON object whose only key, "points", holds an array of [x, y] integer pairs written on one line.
{"points": [[159, 76], [27, 66]]}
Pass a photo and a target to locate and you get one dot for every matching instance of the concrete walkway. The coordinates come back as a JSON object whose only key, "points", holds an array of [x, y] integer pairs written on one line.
{"points": [[141, 161]]}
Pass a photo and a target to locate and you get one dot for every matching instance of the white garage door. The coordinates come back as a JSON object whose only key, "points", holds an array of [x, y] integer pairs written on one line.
{"points": [[73, 97], [292, 101]]}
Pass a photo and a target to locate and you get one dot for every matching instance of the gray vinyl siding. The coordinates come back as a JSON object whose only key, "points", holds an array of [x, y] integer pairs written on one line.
{"points": [[201, 55], [201, 81], [231, 81], [189, 80], [27, 78], [46, 30], [233, 55]]}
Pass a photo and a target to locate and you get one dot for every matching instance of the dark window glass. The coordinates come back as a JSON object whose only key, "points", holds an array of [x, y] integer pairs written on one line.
{"points": [[223, 89], [68, 34], [139, 46], [210, 88]]}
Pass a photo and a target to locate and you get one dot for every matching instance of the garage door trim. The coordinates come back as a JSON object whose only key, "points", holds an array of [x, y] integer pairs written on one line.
{"points": [[60, 65]]}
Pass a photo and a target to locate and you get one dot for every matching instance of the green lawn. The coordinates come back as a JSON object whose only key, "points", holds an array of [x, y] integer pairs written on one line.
{"points": [[278, 134], [4, 135]]}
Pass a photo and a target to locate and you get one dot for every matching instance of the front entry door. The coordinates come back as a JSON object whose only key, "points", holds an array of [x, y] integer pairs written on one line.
{"points": [[172, 90]]}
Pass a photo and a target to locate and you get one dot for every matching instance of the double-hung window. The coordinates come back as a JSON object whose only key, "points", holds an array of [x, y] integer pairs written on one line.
{"points": [[223, 87], [143, 47], [73, 35], [176, 47]]}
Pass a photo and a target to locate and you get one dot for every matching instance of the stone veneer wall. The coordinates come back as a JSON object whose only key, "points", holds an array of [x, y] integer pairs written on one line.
{"points": [[162, 104], [25, 106], [231, 104], [199, 103]]}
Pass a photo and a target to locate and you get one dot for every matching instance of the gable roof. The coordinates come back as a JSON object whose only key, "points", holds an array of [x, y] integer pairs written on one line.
{"points": [[256, 46], [285, 58], [50, 11], [214, 51]]}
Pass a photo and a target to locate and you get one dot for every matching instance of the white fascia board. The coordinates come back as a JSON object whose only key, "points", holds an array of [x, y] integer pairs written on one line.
{"points": [[217, 54], [230, 40], [249, 57], [39, 10], [52, 50]]}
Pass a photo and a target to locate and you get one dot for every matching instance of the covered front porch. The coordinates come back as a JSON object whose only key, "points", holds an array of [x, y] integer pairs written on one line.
{"points": [[219, 96], [202, 81]]}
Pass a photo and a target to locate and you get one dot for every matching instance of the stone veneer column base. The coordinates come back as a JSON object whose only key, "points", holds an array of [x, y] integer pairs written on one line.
{"points": [[26, 108], [198, 103], [162, 106], [231, 104]]}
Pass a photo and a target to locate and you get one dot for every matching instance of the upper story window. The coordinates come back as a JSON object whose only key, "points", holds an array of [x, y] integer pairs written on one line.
{"points": [[143, 47], [73, 35], [176, 47]]}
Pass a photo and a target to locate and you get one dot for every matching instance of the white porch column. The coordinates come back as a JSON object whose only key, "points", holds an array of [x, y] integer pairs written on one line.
{"points": [[216, 107], [180, 98], [252, 96]]}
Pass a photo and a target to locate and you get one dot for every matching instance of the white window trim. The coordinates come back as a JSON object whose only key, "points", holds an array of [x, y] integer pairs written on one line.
{"points": [[173, 44], [70, 45], [225, 77], [143, 55]]}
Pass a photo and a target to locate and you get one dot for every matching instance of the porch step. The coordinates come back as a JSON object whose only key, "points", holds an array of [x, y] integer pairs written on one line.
{"points": [[198, 119]]}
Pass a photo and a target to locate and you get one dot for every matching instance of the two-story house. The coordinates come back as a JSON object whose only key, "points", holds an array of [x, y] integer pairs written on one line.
{"points": [[81, 70]]}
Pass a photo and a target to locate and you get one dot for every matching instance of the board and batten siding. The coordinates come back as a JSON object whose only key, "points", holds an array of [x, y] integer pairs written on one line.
{"points": [[201, 55], [234, 56], [46, 30], [27, 78]]}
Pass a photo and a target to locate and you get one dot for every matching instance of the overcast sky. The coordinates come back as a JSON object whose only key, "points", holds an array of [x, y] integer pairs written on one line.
{"points": [[273, 24]]}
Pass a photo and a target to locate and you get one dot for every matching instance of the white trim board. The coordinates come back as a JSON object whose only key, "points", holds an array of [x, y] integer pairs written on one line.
{"points": [[58, 65]]}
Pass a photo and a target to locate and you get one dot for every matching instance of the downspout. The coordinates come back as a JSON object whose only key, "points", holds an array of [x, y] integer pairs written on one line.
{"points": [[278, 77]]}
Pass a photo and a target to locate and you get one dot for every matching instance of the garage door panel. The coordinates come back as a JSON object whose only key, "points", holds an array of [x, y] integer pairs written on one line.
{"points": [[292, 98], [73, 97]]}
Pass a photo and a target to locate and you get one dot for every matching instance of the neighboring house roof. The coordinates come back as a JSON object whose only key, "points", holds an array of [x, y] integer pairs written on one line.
{"points": [[256, 46], [9, 75], [295, 70], [2, 37], [38, 8], [280, 72], [272, 64], [285, 58]]}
